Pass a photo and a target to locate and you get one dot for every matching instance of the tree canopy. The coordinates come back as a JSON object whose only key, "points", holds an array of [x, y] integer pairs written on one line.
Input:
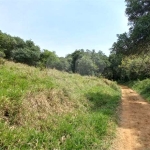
{"points": [[84, 62], [132, 49]]}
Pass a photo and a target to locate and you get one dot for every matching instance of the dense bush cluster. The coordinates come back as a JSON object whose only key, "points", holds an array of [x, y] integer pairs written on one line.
{"points": [[130, 54], [84, 62]]}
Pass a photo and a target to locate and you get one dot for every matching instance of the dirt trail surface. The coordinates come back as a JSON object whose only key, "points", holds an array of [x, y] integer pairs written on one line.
{"points": [[133, 132]]}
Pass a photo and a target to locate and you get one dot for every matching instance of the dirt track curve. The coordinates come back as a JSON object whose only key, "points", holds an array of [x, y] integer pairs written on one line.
{"points": [[133, 132]]}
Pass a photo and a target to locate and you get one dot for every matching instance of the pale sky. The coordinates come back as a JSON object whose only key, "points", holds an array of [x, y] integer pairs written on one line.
{"points": [[65, 25]]}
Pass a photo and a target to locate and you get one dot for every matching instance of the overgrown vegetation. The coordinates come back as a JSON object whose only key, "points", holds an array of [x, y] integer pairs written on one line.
{"points": [[130, 54], [142, 87], [55, 110]]}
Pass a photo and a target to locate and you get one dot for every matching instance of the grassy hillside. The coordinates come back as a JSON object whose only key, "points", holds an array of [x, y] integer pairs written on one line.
{"points": [[142, 87], [55, 110]]}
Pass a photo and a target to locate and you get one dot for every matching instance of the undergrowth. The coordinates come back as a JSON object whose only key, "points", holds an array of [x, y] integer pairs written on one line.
{"points": [[142, 87], [54, 110]]}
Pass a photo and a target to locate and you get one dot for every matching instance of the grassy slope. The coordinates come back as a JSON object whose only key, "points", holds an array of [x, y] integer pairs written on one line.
{"points": [[55, 110], [142, 87]]}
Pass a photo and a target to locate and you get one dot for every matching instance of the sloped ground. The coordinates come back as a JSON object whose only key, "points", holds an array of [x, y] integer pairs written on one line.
{"points": [[134, 128], [49, 110]]}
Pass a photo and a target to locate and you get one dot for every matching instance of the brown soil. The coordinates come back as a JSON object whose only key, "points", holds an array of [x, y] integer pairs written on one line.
{"points": [[133, 132]]}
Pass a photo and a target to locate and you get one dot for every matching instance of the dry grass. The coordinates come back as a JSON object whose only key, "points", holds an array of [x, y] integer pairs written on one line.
{"points": [[55, 110]]}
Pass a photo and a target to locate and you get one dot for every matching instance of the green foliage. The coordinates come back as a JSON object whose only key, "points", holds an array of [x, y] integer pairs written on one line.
{"points": [[122, 45], [140, 34], [52, 60], [20, 43], [127, 68], [101, 61], [7, 44], [28, 56], [136, 9], [49, 59], [113, 71], [44, 57], [55, 110], [137, 40], [80, 61], [132, 45], [85, 66], [2, 54], [88, 62], [63, 65], [16, 49], [135, 67], [75, 56], [142, 87]]}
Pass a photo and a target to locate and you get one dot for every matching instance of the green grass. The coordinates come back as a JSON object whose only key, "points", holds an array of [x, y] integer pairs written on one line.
{"points": [[55, 110], [142, 87]]}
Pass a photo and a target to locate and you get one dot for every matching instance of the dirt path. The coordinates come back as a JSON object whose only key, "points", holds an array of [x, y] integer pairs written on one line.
{"points": [[133, 132]]}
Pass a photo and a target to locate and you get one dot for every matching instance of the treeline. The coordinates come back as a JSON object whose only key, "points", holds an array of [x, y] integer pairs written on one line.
{"points": [[84, 62], [129, 58], [18, 50], [130, 54]]}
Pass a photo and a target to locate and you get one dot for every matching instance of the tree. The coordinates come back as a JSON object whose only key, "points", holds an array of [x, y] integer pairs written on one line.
{"points": [[7, 44], [85, 66], [140, 34], [135, 67], [29, 43], [137, 9], [26, 55], [127, 61], [52, 60], [101, 61], [45, 54], [113, 71], [20, 43], [138, 12], [63, 64], [75, 56], [123, 44], [88, 62]]}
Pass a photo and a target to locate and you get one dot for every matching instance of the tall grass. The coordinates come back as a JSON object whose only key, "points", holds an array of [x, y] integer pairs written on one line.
{"points": [[55, 110], [142, 87]]}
